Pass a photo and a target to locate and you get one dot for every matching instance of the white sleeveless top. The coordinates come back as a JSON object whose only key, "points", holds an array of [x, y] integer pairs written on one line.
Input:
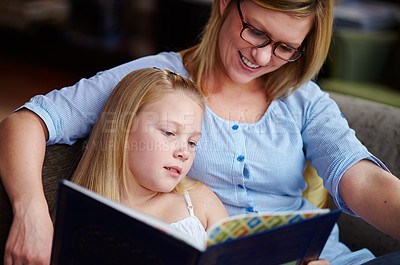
{"points": [[191, 226]]}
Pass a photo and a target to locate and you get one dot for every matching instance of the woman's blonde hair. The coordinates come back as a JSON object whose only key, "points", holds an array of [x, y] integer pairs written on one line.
{"points": [[103, 167], [201, 59]]}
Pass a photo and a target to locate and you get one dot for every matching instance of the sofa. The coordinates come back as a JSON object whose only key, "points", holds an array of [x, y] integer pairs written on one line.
{"points": [[376, 125]]}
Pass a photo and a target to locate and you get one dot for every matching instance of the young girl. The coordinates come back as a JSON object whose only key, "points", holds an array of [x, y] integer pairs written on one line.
{"points": [[142, 146]]}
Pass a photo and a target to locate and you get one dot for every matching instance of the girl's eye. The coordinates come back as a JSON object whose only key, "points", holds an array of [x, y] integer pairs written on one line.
{"points": [[192, 144], [168, 133]]}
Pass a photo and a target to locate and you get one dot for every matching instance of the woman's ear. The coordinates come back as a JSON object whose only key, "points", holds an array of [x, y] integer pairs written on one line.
{"points": [[222, 5]]}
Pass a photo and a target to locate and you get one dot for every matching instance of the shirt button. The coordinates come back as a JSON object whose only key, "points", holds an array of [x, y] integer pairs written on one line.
{"points": [[235, 127], [240, 186], [240, 158]]}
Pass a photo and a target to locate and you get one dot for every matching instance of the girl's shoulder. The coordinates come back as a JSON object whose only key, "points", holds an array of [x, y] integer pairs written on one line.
{"points": [[200, 190], [207, 206]]}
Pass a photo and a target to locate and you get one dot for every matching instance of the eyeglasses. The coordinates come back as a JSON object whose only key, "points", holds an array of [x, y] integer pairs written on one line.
{"points": [[259, 39]]}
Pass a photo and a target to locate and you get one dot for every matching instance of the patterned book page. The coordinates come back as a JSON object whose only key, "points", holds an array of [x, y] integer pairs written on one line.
{"points": [[239, 226]]}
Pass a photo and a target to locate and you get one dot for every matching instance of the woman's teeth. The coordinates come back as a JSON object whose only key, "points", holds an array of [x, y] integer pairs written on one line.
{"points": [[249, 64]]}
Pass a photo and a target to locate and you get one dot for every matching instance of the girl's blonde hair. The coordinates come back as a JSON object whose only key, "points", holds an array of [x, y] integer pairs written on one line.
{"points": [[103, 167], [201, 59]]}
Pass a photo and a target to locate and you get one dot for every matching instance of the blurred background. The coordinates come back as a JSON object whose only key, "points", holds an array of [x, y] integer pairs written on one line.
{"points": [[48, 44]]}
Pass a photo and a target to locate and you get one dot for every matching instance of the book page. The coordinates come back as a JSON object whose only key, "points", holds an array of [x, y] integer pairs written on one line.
{"points": [[241, 225]]}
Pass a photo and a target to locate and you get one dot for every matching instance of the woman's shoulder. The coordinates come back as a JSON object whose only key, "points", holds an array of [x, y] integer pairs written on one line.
{"points": [[163, 60], [306, 92], [306, 96]]}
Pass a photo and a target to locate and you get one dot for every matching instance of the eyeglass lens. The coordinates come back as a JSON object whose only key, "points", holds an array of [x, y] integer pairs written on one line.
{"points": [[260, 40]]}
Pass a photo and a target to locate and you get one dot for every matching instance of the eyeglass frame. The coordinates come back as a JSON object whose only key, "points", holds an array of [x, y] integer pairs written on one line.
{"points": [[274, 44]]}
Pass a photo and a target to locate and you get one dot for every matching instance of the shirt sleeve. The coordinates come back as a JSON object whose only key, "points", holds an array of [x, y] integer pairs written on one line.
{"points": [[70, 113], [329, 143]]}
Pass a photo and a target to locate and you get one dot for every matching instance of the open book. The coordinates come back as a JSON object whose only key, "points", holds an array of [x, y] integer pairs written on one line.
{"points": [[91, 229]]}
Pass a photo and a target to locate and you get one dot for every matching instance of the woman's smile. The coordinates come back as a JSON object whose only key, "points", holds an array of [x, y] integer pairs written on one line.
{"points": [[247, 62]]}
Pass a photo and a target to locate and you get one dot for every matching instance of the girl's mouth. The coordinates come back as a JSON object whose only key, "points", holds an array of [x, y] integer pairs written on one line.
{"points": [[175, 170]]}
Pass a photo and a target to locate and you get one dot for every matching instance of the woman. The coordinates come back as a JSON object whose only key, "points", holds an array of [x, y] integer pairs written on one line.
{"points": [[263, 119]]}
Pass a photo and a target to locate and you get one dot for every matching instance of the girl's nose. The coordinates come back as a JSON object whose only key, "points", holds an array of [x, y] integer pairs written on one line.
{"points": [[181, 151]]}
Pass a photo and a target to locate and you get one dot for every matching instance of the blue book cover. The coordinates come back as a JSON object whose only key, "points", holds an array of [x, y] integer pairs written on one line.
{"points": [[91, 229]]}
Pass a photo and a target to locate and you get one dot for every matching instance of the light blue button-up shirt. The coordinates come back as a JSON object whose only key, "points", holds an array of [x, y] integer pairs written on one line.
{"points": [[259, 166], [251, 167]]}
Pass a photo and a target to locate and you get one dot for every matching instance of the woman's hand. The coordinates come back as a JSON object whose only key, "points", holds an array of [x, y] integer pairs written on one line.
{"points": [[23, 137], [30, 237]]}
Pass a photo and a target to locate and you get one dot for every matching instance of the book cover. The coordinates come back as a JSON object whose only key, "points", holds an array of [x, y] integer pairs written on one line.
{"points": [[91, 229]]}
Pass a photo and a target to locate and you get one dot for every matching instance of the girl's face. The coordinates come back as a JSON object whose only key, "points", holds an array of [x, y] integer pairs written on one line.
{"points": [[242, 61], [162, 141]]}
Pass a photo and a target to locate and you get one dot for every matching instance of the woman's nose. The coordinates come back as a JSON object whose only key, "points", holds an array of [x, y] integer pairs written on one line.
{"points": [[262, 56]]}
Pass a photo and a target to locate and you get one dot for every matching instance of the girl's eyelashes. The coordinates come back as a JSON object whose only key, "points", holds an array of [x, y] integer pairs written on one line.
{"points": [[168, 133], [192, 144]]}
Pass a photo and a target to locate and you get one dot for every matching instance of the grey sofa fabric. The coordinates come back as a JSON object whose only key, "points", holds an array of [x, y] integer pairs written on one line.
{"points": [[376, 125]]}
